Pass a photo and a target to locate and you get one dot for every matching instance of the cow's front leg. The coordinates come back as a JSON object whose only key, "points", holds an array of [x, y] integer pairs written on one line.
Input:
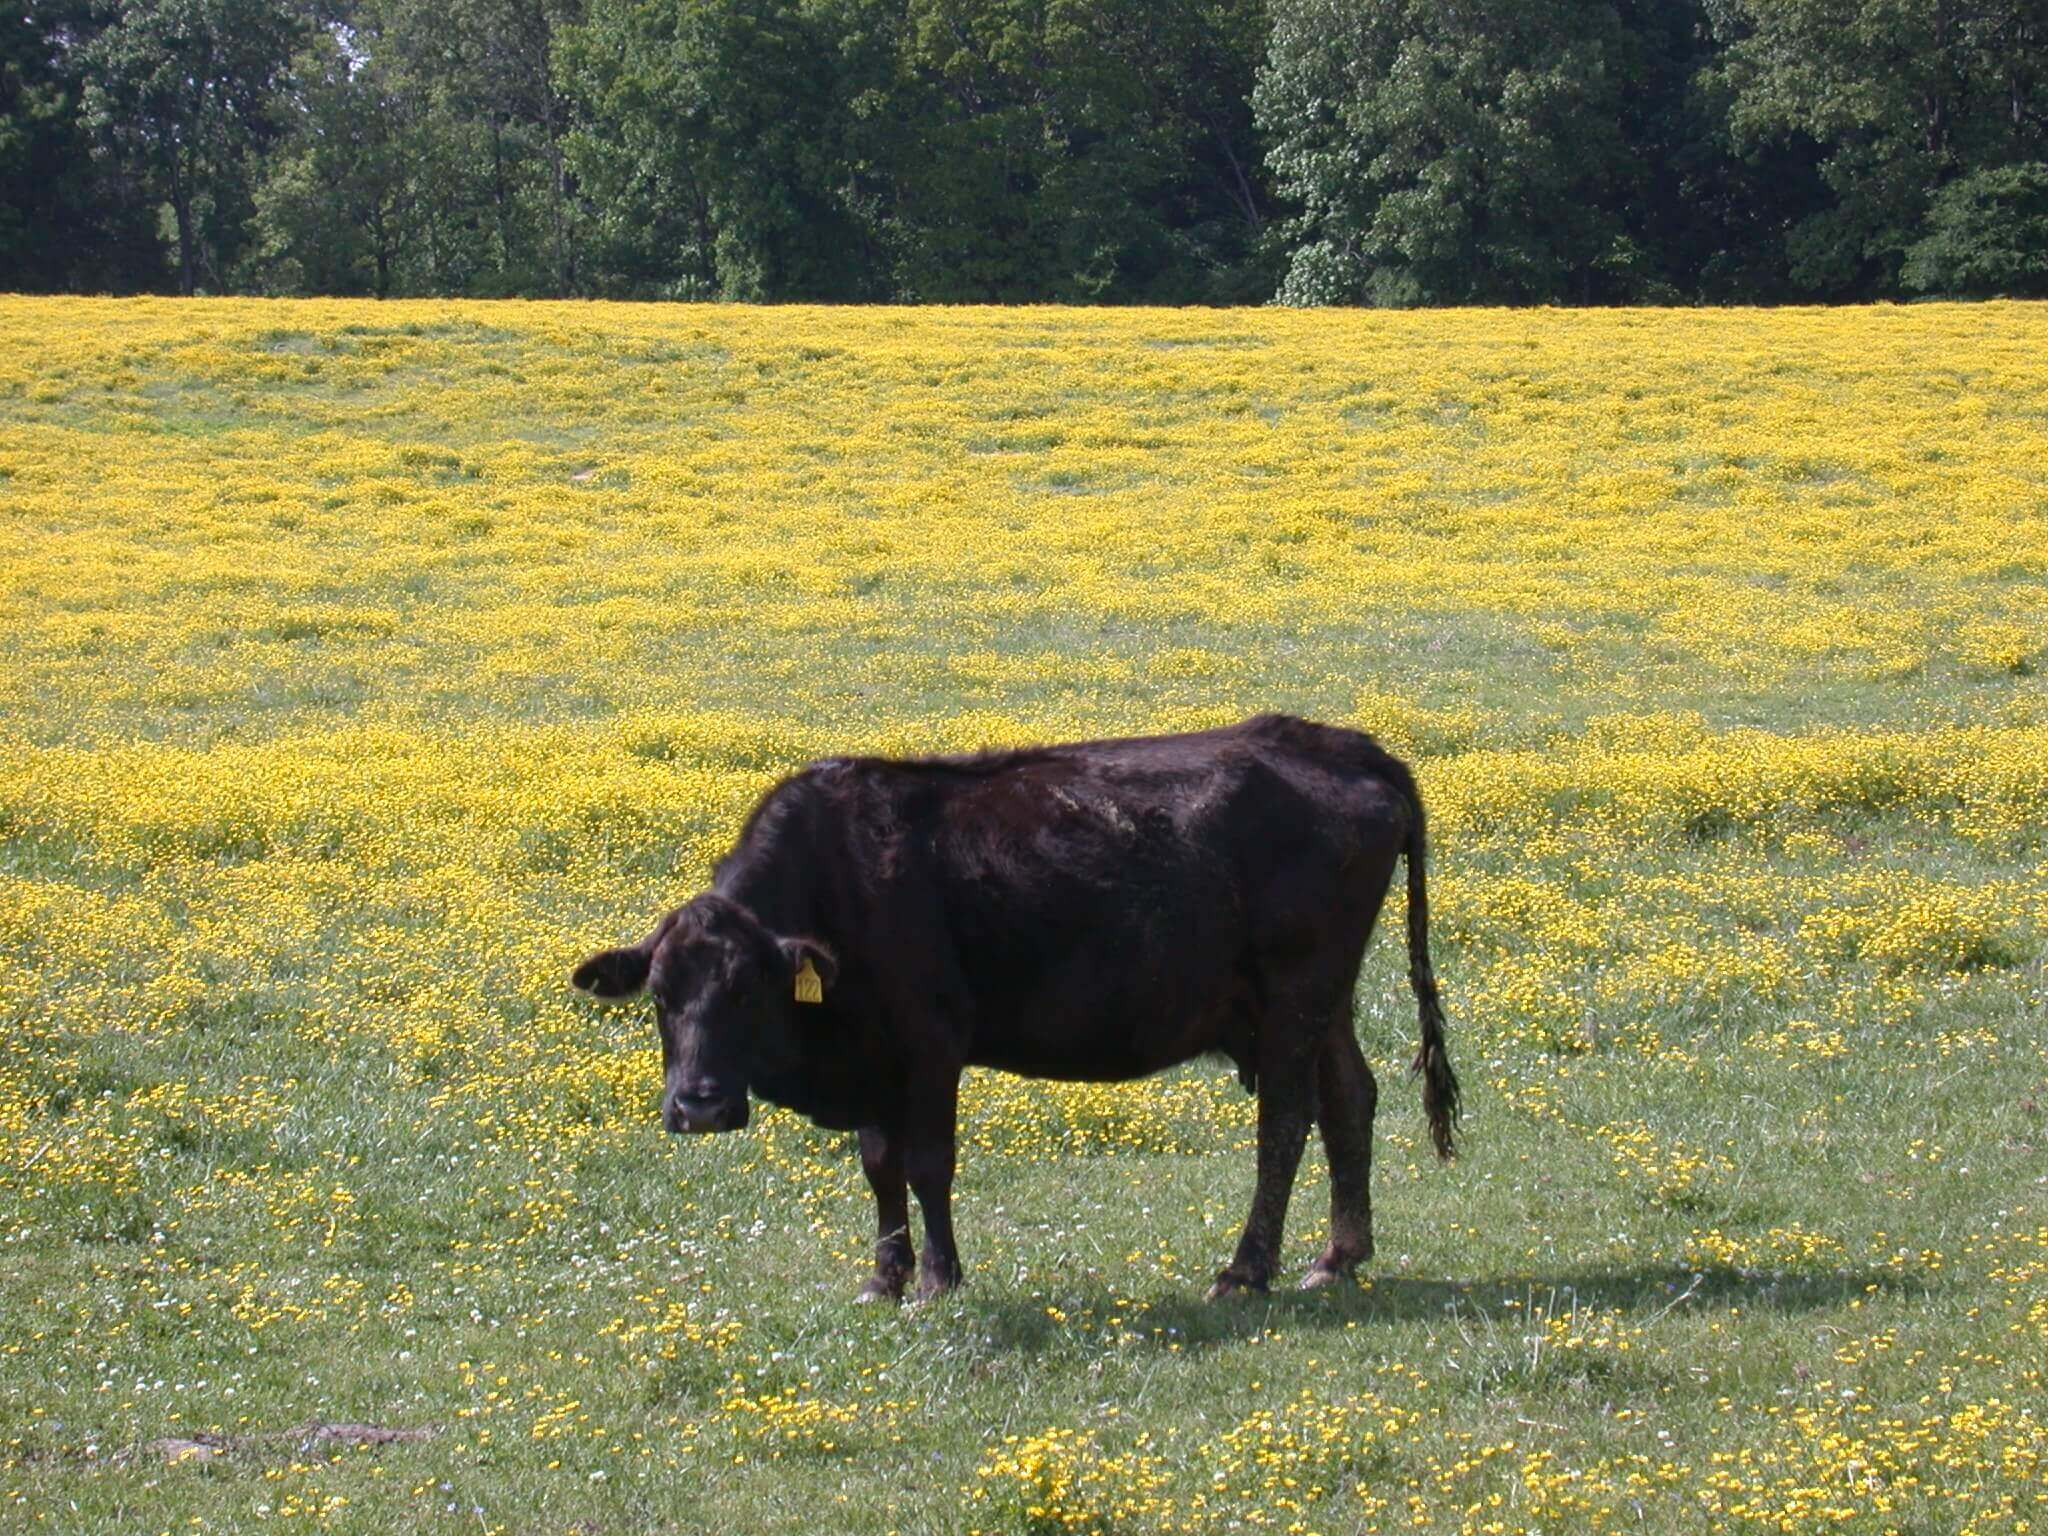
{"points": [[881, 1159], [928, 1158], [1286, 1090]]}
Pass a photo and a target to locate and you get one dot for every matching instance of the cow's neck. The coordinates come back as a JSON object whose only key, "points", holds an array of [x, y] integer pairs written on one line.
{"points": [[770, 874], [777, 902]]}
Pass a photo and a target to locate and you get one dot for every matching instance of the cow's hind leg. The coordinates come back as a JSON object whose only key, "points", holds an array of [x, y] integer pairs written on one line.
{"points": [[1346, 1098], [1286, 1093], [881, 1159]]}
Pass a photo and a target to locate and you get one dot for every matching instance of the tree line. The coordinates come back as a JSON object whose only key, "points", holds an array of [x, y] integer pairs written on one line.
{"points": [[1389, 152]]}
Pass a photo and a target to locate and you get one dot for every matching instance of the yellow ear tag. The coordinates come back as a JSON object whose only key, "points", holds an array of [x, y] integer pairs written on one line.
{"points": [[809, 987]]}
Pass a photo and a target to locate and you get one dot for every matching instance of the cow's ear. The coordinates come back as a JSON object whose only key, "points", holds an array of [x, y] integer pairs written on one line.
{"points": [[796, 953], [615, 972]]}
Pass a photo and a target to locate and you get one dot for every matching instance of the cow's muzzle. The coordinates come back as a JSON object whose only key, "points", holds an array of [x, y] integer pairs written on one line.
{"points": [[705, 1112]]}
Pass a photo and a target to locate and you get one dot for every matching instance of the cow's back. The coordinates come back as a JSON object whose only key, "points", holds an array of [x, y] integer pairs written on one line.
{"points": [[1111, 908]]}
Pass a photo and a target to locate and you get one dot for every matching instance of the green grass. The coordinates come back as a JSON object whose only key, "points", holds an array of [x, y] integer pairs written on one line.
{"points": [[1700, 1229], [1072, 1315]]}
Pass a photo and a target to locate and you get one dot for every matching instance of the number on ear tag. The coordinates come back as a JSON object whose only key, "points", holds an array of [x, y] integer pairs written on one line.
{"points": [[810, 988]]}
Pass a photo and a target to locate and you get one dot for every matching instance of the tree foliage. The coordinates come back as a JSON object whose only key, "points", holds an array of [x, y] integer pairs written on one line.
{"points": [[1070, 149], [1987, 233], [1158, 151], [182, 95], [1446, 153], [1900, 98], [715, 138], [67, 219]]}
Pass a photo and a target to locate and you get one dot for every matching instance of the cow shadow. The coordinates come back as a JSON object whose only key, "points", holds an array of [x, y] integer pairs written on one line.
{"points": [[1183, 1320]]}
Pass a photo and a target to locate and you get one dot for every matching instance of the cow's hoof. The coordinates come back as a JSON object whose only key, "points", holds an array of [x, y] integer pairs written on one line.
{"points": [[879, 1288], [931, 1287], [1231, 1283], [1334, 1265]]}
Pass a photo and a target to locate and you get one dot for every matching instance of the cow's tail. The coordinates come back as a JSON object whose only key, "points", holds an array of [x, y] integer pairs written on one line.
{"points": [[1432, 1061]]}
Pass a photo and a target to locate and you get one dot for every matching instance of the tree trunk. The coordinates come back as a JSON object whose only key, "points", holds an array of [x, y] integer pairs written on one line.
{"points": [[565, 255], [1239, 188], [181, 209], [499, 196]]}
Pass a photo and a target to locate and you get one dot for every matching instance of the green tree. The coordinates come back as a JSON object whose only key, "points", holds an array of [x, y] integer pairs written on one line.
{"points": [[939, 149], [497, 204], [425, 151], [501, 75], [65, 222], [1713, 214], [338, 202], [1075, 151], [1987, 234], [1448, 154], [1899, 98], [180, 94], [1218, 208], [714, 144]]}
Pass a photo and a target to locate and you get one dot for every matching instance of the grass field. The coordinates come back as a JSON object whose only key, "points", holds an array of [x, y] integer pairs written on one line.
{"points": [[363, 666]]}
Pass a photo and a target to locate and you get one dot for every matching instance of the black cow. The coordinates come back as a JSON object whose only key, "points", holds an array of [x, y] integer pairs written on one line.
{"points": [[1096, 911]]}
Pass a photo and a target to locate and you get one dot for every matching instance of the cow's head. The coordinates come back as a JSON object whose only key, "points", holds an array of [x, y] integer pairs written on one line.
{"points": [[720, 980]]}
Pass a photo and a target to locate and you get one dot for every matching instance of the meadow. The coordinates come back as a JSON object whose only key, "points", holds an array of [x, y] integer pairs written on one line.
{"points": [[363, 665]]}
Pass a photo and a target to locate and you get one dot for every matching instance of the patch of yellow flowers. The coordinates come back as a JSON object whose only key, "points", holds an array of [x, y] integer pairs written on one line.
{"points": [[362, 664]]}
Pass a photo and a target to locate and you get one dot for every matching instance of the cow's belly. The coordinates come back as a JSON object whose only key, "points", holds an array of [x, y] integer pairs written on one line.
{"points": [[1117, 976], [1112, 1033], [1108, 1061]]}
